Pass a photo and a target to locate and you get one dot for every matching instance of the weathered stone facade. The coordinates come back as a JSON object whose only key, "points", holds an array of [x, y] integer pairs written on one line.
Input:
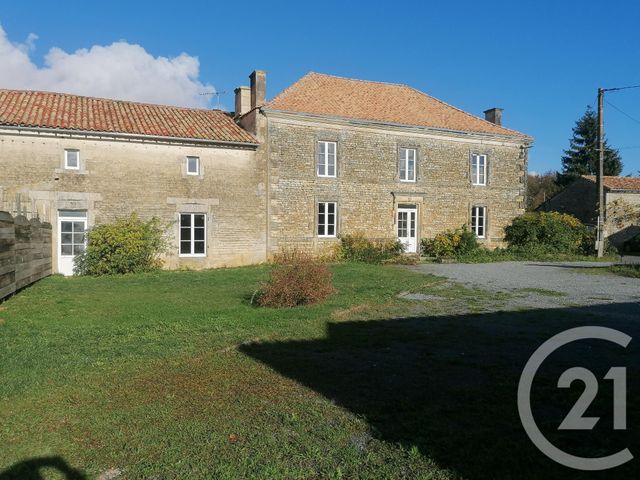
{"points": [[118, 176], [367, 187], [580, 199], [258, 185]]}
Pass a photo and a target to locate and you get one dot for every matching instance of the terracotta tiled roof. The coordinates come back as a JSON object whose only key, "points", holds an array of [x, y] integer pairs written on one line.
{"points": [[320, 94], [618, 183], [73, 112]]}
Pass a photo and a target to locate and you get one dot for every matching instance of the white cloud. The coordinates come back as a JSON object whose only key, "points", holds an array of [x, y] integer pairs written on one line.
{"points": [[121, 70]]}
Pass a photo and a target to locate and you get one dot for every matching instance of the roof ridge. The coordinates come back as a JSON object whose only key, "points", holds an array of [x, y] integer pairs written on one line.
{"points": [[359, 79], [464, 111], [148, 104]]}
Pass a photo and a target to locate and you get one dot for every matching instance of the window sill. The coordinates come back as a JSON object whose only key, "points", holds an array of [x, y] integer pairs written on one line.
{"points": [[186, 255]]}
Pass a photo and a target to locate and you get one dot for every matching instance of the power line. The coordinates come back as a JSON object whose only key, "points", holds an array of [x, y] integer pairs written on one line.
{"points": [[620, 88], [622, 112]]}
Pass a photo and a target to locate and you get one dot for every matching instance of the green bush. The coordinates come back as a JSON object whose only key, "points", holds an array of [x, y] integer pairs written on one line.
{"points": [[295, 279], [550, 232], [357, 248], [128, 245], [450, 244]]}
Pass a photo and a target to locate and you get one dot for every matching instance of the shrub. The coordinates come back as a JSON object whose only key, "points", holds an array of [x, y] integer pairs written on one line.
{"points": [[357, 248], [551, 232], [128, 245], [450, 244], [297, 279]]}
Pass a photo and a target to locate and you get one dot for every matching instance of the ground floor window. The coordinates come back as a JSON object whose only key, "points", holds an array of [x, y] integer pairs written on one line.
{"points": [[326, 219], [193, 236], [479, 221]]}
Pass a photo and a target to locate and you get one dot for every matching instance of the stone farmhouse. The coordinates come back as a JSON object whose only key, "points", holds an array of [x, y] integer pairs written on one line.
{"points": [[621, 202], [327, 156]]}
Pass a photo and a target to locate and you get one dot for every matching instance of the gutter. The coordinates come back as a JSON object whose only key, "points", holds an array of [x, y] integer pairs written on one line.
{"points": [[128, 136]]}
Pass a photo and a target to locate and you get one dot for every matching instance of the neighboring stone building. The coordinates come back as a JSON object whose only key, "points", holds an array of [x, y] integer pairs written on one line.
{"points": [[77, 161], [327, 156], [348, 156], [622, 199]]}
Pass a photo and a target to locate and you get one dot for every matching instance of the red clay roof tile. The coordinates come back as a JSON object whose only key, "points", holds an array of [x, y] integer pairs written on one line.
{"points": [[321, 94], [618, 183], [73, 112]]}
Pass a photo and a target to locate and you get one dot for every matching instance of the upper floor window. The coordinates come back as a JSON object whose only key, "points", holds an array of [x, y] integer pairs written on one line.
{"points": [[326, 219], [479, 221], [193, 165], [72, 159], [407, 164], [193, 234], [326, 164], [478, 169]]}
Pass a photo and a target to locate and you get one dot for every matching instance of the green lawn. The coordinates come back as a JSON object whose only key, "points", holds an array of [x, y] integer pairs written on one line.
{"points": [[176, 375]]}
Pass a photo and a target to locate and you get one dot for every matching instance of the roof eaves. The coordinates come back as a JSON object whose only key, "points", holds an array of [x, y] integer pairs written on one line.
{"points": [[124, 135], [515, 135]]}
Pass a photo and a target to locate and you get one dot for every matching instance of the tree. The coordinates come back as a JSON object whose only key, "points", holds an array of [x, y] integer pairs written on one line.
{"points": [[582, 156], [540, 188]]}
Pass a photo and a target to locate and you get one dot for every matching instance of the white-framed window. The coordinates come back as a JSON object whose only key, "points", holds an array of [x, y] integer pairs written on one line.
{"points": [[193, 235], [479, 221], [407, 164], [193, 165], [327, 219], [478, 169], [326, 163], [72, 159]]}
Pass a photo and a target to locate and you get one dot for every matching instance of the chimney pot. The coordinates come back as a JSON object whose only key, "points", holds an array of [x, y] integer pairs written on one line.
{"points": [[494, 115], [243, 100], [258, 88]]}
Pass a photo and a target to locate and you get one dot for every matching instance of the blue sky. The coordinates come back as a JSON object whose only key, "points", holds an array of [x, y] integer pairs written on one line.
{"points": [[540, 61]]}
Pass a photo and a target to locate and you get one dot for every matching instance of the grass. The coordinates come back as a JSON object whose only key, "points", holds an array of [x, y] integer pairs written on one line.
{"points": [[176, 375], [543, 292], [632, 271], [626, 270]]}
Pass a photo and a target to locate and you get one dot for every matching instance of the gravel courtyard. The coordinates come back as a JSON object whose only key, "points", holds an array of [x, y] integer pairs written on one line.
{"points": [[546, 285]]}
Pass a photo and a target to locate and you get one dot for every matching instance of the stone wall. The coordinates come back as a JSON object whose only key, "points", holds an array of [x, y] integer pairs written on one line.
{"points": [[367, 187], [25, 252], [117, 177], [578, 199]]}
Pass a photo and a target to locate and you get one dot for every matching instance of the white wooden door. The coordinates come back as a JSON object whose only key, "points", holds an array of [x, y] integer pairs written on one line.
{"points": [[72, 226], [407, 217]]}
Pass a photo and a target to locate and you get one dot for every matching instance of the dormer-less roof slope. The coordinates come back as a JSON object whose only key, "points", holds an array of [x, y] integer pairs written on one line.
{"points": [[327, 95], [61, 111], [617, 183]]}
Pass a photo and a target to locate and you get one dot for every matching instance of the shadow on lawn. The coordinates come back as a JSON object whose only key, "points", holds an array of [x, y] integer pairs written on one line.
{"points": [[447, 385], [35, 468]]}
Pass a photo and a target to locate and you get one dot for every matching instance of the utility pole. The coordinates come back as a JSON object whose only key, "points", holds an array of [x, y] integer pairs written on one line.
{"points": [[600, 177]]}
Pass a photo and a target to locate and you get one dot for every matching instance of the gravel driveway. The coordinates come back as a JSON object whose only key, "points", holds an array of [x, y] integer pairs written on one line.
{"points": [[545, 285]]}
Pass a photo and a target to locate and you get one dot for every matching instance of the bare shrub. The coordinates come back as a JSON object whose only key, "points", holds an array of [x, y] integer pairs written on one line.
{"points": [[296, 279]]}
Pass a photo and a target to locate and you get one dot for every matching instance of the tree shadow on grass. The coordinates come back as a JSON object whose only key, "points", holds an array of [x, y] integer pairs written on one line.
{"points": [[448, 385], [35, 468]]}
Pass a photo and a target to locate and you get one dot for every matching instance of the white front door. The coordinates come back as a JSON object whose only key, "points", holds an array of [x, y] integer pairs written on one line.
{"points": [[407, 217], [71, 238]]}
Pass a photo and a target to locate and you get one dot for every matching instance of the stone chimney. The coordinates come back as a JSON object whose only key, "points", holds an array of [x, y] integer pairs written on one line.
{"points": [[493, 115], [258, 88], [243, 100]]}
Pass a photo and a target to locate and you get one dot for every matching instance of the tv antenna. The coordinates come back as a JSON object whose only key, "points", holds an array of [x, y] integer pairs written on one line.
{"points": [[217, 94]]}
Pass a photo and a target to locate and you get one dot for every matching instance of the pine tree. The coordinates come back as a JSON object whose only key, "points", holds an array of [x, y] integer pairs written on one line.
{"points": [[582, 156]]}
